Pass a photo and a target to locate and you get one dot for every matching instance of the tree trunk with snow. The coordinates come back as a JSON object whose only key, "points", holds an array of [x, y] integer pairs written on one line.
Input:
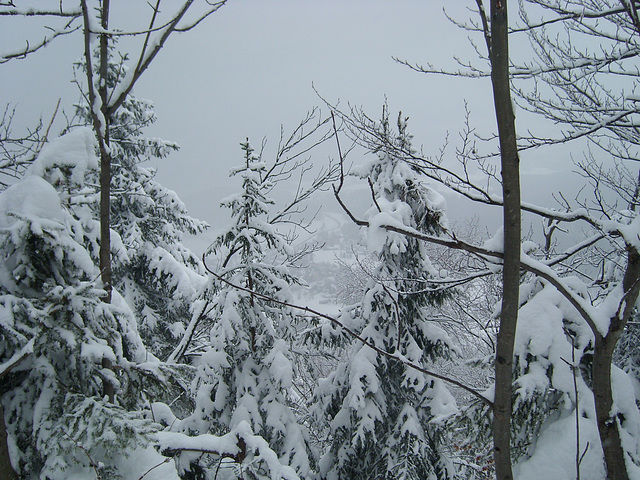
{"points": [[603, 396], [100, 113], [608, 425]]}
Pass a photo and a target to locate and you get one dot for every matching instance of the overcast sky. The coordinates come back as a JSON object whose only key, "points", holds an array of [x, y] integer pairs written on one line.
{"points": [[251, 68]]}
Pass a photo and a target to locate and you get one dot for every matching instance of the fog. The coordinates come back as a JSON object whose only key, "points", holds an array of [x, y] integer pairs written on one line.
{"points": [[258, 66]]}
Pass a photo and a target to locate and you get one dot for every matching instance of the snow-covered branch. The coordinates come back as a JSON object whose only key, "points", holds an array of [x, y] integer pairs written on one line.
{"points": [[16, 359], [11, 9], [239, 445]]}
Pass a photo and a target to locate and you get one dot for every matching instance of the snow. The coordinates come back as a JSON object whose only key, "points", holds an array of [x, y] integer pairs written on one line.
{"points": [[161, 413], [96, 110], [141, 463], [128, 328], [608, 309], [148, 462], [554, 456], [410, 422], [631, 232], [363, 376], [441, 401], [494, 244], [572, 288], [279, 364], [394, 214], [625, 407], [542, 346], [32, 197], [183, 280], [219, 445], [74, 152], [95, 352], [490, 393]]}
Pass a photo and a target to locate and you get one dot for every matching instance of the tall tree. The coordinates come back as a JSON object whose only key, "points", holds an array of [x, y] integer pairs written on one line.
{"points": [[56, 330], [498, 46], [153, 269], [105, 101], [579, 92], [494, 27], [245, 372], [380, 410]]}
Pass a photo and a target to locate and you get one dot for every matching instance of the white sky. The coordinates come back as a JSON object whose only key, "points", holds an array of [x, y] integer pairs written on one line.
{"points": [[250, 68]]}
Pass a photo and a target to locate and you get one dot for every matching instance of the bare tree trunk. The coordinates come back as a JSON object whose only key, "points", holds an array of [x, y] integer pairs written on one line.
{"points": [[499, 55], [6, 469], [100, 122], [105, 184], [105, 161]]}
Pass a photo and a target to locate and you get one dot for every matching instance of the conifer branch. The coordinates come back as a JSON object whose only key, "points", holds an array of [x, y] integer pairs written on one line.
{"points": [[16, 359], [353, 334]]}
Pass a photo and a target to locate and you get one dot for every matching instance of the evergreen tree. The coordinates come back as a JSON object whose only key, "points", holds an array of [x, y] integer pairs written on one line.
{"points": [[245, 373], [155, 272], [380, 410], [54, 332]]}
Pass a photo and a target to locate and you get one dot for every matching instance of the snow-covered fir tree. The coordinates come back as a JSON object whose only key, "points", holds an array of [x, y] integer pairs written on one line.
{"points": [[380, 410], [55, 331], [155, 272], [245, 373]]}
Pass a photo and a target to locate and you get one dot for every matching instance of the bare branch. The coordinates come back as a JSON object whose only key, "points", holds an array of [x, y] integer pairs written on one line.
{"points": [[17, 152], [32, 12], [125, 87], [28, 49]]}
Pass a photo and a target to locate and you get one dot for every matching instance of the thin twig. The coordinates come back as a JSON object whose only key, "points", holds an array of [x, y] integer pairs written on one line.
{"points": [[166, 460]]}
